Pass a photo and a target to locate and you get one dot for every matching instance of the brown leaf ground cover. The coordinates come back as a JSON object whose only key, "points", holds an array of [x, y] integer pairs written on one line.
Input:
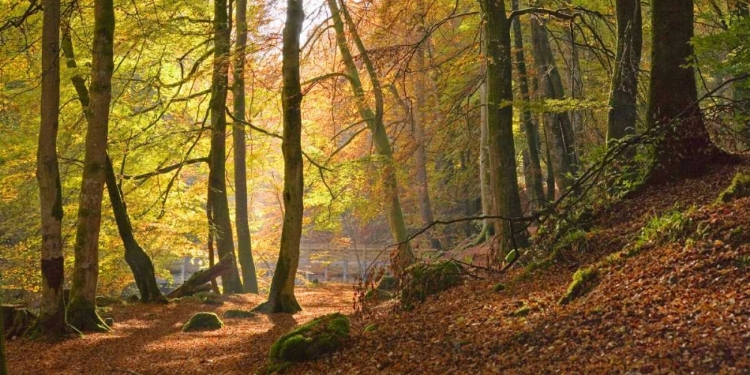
{"points": [[147, 339], [679, 306]]}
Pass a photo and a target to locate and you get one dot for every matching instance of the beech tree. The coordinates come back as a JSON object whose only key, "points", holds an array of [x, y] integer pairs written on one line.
{"points": [[624, 90], [244, 246], [502, 154], [684, 146], [281, 297], [52, 309], [217, 186], [81, 312]]}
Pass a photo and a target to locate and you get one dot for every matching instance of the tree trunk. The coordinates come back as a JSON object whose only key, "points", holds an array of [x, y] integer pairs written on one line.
{"points": [[741, 89], [139, 262], [200, 278], [686, 147], [575, 83], [403, 256], [281, 297], [419, 117], [244, 246], [531, 129], [503, 175], [81, 312], [484, 168], [217, 186], [624, 90], [558, 124], [52, 309], [3, 359]]}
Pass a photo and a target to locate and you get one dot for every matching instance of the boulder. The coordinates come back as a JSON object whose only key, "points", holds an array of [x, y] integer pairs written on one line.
{"points": [[203, 321], [311, 340]]}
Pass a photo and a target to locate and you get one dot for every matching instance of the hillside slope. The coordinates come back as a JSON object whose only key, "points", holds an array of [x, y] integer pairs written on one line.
{"points": [[679, 304]]}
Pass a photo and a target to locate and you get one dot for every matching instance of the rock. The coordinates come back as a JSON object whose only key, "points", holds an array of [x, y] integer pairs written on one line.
{"points": [[209, 298], [388, 283], [134, 298], [203, 321], [239, 314], [109, 322], [311, 340], [378, 294]]}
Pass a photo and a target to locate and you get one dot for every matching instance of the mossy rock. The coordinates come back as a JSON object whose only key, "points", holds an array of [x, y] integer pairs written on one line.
{"points": [[203, 321], [740, 188], [378, 294], [425, 279], [387, 283], [499, 287], [524, 310], [209, 298], [311, 340], [103, 301], [239, 314], [584, 280]]}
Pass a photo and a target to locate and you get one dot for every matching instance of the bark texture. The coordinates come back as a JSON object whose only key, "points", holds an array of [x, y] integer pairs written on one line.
{"points": [[684, 147], [403, 256], [81, 312], [217, 186], [560, 130], [244, 245], [503, 175], [281, 297], [624, 89], [52, 308], [530, 127]]}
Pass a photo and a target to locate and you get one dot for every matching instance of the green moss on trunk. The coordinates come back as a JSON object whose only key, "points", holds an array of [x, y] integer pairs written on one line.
{"points": [[740, 188], [82, 315]]}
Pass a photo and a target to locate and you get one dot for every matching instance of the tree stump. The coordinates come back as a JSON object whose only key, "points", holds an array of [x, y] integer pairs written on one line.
{"points": [[16, 320]]}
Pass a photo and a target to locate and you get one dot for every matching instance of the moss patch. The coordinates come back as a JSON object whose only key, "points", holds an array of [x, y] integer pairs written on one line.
{"points": [[499, 287], [425, 279], [203, 321], [387, 283], [239, 314], [311, 340], [209, 298], [378, 294], [740, 188], [584, 280], [524, 310]]}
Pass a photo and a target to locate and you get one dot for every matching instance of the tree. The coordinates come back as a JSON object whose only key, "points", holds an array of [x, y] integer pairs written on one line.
{"points": [[624, 89], [217, 186], [138, 260], [52, 309], [531, 130], [244, 247], [3, 359], [403, 256], [419, 118], [558, 125], [281, 297], [82, 306], [684, 146], [503, 176]]}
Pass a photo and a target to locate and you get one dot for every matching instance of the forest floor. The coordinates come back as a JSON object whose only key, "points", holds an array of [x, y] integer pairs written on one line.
{"points": [[678, 306]]}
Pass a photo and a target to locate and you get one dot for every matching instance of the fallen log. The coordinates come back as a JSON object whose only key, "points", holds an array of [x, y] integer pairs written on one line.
{"points": [[195, 283]]}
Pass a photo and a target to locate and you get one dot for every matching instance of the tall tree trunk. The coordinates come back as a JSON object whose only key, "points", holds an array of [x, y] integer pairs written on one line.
{"points": [[217, 186], [82, 306], [52, 309], [3, 358], [281, 297], [531, 129], [244, 247], [624, 90], [138, 260], [686, 147], [575, 82], [419, 117], [558, 124], [403, 256], [503, 175], [741, 89], [485, 188]]}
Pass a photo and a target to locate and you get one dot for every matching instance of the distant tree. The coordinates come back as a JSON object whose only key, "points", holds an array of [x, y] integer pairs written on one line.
{"points": [[281, 297], [244, 247], [558, 125], [3, 359], [52, 309], [82, 306], [684, 146], [624, 89], [217, 185]]}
